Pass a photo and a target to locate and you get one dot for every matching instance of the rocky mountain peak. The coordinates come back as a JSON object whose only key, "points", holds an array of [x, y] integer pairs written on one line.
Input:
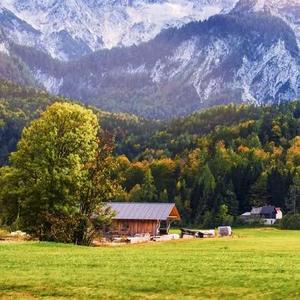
{"points": [[70, 29]]}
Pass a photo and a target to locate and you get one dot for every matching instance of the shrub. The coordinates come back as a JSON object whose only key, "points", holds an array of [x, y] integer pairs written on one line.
{"points": [[290, 222]]}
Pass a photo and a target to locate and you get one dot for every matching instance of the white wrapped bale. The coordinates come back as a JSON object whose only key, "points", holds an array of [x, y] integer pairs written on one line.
{"points": [[209, 233], [224, 231]]}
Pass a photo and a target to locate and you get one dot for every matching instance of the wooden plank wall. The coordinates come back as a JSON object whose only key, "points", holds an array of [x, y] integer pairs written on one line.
{"points": [[132, 227]]}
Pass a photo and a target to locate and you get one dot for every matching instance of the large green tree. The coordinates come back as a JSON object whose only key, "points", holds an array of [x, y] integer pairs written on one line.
{"points": [[62, 170]]}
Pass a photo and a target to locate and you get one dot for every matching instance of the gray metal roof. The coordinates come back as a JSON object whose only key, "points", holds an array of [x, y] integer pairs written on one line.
{"points": [[270, 209], [141, 211], [256, 210]]}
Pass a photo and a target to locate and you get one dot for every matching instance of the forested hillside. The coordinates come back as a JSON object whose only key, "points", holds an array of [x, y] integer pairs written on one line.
{"points": [[214, 164], [19, 105], [229, 157]]}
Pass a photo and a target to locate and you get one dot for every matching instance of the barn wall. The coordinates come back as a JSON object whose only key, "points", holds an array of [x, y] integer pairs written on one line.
{"points": [[132, 227]]}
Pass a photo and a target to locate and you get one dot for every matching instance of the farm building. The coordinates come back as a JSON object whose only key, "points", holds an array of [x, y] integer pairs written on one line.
{"points": [[267, 214], [142, 218]]}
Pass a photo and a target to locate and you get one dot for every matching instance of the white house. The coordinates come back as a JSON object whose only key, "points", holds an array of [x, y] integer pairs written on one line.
{"points": [[267, 214]]}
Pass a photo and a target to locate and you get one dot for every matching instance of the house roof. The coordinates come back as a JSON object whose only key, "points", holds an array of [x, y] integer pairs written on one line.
{"points": [[264, 210], [256, 210], [246, 214], [144, 211], [268, 209]]}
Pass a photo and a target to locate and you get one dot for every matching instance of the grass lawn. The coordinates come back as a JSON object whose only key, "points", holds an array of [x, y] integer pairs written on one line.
{"points": [[255, 264]]}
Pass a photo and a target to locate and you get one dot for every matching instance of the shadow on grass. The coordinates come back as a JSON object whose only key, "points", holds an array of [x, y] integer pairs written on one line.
{"points": [[28, 290]]}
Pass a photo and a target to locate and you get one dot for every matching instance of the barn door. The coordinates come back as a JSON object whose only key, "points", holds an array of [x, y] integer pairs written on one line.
{"points": [[164, 227]]}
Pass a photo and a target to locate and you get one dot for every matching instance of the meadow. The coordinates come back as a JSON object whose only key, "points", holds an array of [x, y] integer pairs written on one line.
{"points": [[254, 264]]}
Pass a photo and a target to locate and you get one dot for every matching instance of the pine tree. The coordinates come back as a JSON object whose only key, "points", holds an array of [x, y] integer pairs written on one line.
{"points": [[293, 198], [259, 195], [149, 192]]}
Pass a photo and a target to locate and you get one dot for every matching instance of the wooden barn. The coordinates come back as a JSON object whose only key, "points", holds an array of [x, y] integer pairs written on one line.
{"points": [[142, 218]]}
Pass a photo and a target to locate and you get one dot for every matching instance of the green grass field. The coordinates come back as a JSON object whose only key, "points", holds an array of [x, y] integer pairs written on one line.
{"points": [[255, 264]]}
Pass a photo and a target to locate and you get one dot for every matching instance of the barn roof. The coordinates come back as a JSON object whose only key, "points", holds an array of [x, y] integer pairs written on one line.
{"points": [[144, 211]]}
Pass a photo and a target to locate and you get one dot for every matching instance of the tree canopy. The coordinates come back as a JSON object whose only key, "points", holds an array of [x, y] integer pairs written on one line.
{"points": [[61, 174]]}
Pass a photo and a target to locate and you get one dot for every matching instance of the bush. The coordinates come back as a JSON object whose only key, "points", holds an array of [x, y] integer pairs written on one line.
{"points": [[3, 232], [241, 223], [221, 218], [290, 222]]}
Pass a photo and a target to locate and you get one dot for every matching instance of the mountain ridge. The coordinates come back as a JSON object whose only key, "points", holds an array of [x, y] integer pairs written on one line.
{"points": [[247, 55], [70, 29]]}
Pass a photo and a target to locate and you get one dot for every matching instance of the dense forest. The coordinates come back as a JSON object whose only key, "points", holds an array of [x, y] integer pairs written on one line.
{"points": [[215, 164], [220, 161]]}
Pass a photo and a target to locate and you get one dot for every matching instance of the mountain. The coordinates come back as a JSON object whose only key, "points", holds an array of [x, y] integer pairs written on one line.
{"points": [[287, 10], [69, 29], [12, 67], [249, 53]]}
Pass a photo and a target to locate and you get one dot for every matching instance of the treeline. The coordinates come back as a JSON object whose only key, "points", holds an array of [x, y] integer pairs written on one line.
{"points": [[214, 164]]}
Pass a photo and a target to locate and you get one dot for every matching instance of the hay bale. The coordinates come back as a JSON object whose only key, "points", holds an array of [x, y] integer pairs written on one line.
{"points": [[224, 231]]}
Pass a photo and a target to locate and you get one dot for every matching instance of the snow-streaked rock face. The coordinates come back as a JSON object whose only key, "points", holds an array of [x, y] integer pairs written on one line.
{"points": [[51, 83], [287, 10], [193, 63], [70, 29], [4, 48], [274, 77]]}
